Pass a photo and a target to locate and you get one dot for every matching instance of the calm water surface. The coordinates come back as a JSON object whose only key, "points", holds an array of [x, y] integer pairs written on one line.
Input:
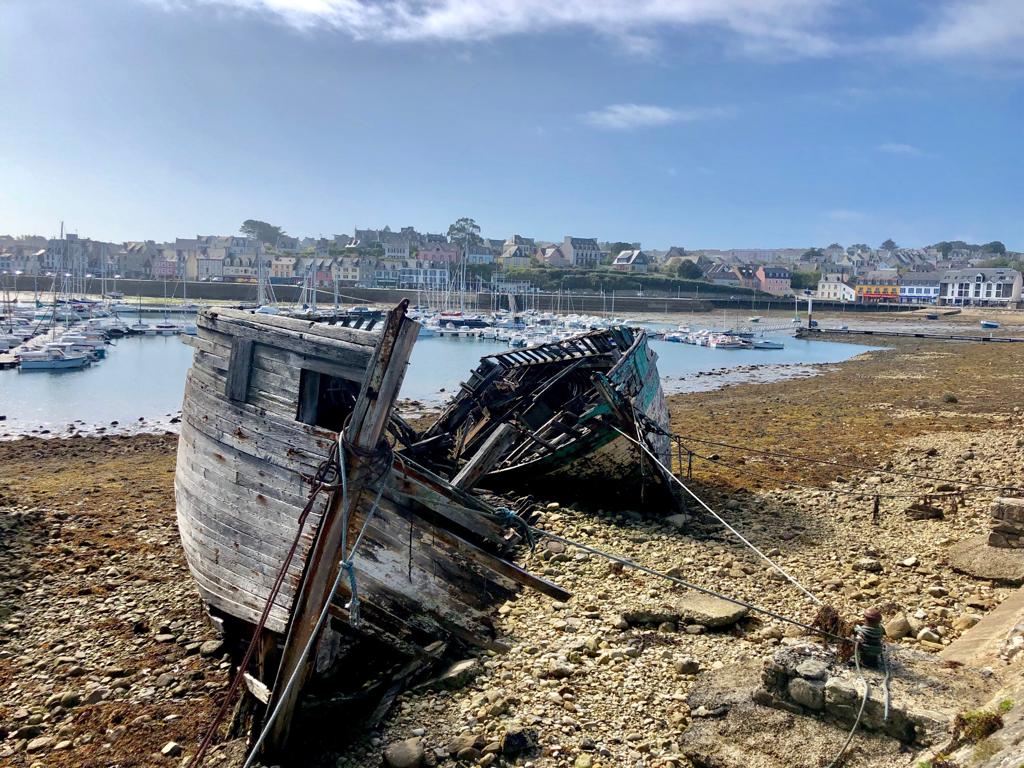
{"points": [[143, 377]]}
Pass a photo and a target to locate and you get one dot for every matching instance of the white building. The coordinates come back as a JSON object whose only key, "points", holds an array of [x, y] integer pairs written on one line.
{"points": [[582, 252], [833, 288], [920, 287], [994, 286]]}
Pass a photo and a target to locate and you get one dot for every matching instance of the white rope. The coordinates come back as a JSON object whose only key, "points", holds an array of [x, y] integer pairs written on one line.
{"points": [[720, 519]]}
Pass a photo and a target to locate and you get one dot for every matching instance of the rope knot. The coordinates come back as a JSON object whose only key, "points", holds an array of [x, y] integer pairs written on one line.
{"points": [[510, 518], [353, 588]]}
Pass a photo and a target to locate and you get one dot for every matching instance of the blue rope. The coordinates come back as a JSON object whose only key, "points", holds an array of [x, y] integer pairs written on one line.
{"points": [[509, 517], [348, 558]]}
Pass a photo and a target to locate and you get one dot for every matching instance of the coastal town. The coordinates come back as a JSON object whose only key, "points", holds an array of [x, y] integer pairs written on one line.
{"points": [[945, 273], [511, 384]]}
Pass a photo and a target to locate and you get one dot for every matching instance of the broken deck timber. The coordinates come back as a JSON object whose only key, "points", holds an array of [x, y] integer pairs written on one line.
{"points": [[267, 399], [542, 418]]}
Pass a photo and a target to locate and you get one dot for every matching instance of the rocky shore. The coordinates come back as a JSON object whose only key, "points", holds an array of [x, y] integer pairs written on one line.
{"points": [[108, 659]]}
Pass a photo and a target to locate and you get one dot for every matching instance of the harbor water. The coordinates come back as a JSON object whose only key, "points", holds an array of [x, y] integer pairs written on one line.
{"points": [[141, 382]]}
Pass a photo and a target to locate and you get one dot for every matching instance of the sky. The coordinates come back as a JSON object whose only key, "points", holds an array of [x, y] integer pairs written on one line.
{"points": [[698, 123]]}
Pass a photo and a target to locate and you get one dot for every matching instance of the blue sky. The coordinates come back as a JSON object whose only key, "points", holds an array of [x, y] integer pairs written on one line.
{"points": [[701, 123]]}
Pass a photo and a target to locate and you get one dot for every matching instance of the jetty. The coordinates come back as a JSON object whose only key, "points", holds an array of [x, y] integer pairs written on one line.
{"points": [[810, 333]]}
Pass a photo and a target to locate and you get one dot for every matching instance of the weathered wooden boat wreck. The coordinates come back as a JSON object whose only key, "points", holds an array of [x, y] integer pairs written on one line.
{"points": [[548, 415], [308, 511]]}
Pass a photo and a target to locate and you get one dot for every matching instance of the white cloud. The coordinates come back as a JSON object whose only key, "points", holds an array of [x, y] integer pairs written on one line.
{"points": [[989, 29], [776, 26], [627, 117], [895, 148]]}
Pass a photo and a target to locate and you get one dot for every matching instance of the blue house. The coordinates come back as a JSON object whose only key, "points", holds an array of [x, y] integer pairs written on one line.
{"points": [[920, 287]]}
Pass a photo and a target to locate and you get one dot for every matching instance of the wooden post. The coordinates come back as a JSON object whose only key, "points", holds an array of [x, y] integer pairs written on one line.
{"points": [[689, 464], [875, 510], [369, 420]]}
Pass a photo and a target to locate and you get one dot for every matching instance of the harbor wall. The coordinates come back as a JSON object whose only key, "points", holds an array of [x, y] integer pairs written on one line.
{"points": [[577, 302]]}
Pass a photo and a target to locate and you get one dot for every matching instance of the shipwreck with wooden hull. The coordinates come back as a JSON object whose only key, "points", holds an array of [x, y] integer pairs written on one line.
{"points": [[554, 415], [278, 408]]}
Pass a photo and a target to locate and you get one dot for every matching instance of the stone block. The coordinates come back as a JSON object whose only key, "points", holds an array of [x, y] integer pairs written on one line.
{"points": [[812, 669], [1005, 508], [1005, 540], [841, 693], [808, 693]]}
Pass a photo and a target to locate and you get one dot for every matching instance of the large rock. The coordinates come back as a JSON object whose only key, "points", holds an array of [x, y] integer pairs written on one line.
{"points": [[709, 611], [458, 675], [808, 693], [976, 558], [405, 754], [897, 627]]}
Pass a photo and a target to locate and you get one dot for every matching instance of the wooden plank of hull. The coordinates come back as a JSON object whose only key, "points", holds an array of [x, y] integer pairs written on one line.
{"points": [[358, 337], [351, 358]]}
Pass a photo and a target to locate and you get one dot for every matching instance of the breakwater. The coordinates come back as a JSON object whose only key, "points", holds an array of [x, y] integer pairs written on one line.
{"points": [[596, 303]]}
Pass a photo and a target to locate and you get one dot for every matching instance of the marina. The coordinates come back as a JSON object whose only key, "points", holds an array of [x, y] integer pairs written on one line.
{"points": [[143, 376]]}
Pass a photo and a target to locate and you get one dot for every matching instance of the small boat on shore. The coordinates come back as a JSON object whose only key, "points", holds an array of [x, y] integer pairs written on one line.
{"points": [[989, 325]]}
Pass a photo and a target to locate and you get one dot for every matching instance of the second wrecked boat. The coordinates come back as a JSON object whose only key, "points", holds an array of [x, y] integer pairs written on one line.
{"points": [[549, 418]]}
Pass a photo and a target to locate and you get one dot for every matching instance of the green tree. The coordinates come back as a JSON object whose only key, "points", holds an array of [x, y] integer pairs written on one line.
{"points": [[689, 270], [811, 254], [801, 280], [261, 230], [464, 233], [994, 247], [616, 248], [889, 245]]}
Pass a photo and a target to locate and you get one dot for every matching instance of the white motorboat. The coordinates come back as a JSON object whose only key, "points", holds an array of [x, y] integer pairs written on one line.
{"points": [[767, 344], [166, 328], [52, 358], [725, 341]]}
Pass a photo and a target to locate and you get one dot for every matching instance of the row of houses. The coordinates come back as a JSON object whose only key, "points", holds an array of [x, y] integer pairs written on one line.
{"points": [[776, 280], [978, 286]]}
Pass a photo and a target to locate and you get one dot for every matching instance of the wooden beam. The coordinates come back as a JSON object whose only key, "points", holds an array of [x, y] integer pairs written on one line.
{"points": [[369, 419], [491, 453]]}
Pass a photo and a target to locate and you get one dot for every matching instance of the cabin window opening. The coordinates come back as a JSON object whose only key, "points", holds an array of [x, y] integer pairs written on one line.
{"points": [[325, 401]]}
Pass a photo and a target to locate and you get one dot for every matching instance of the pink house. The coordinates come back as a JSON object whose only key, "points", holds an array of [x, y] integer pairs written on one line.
{"points": [[774, 280], [164, 267], [443, 252]]}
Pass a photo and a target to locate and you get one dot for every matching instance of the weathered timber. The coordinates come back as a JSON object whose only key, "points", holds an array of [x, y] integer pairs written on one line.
{"points": [[565, 444], [493, 450], [239, 368], [263, 402]]}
